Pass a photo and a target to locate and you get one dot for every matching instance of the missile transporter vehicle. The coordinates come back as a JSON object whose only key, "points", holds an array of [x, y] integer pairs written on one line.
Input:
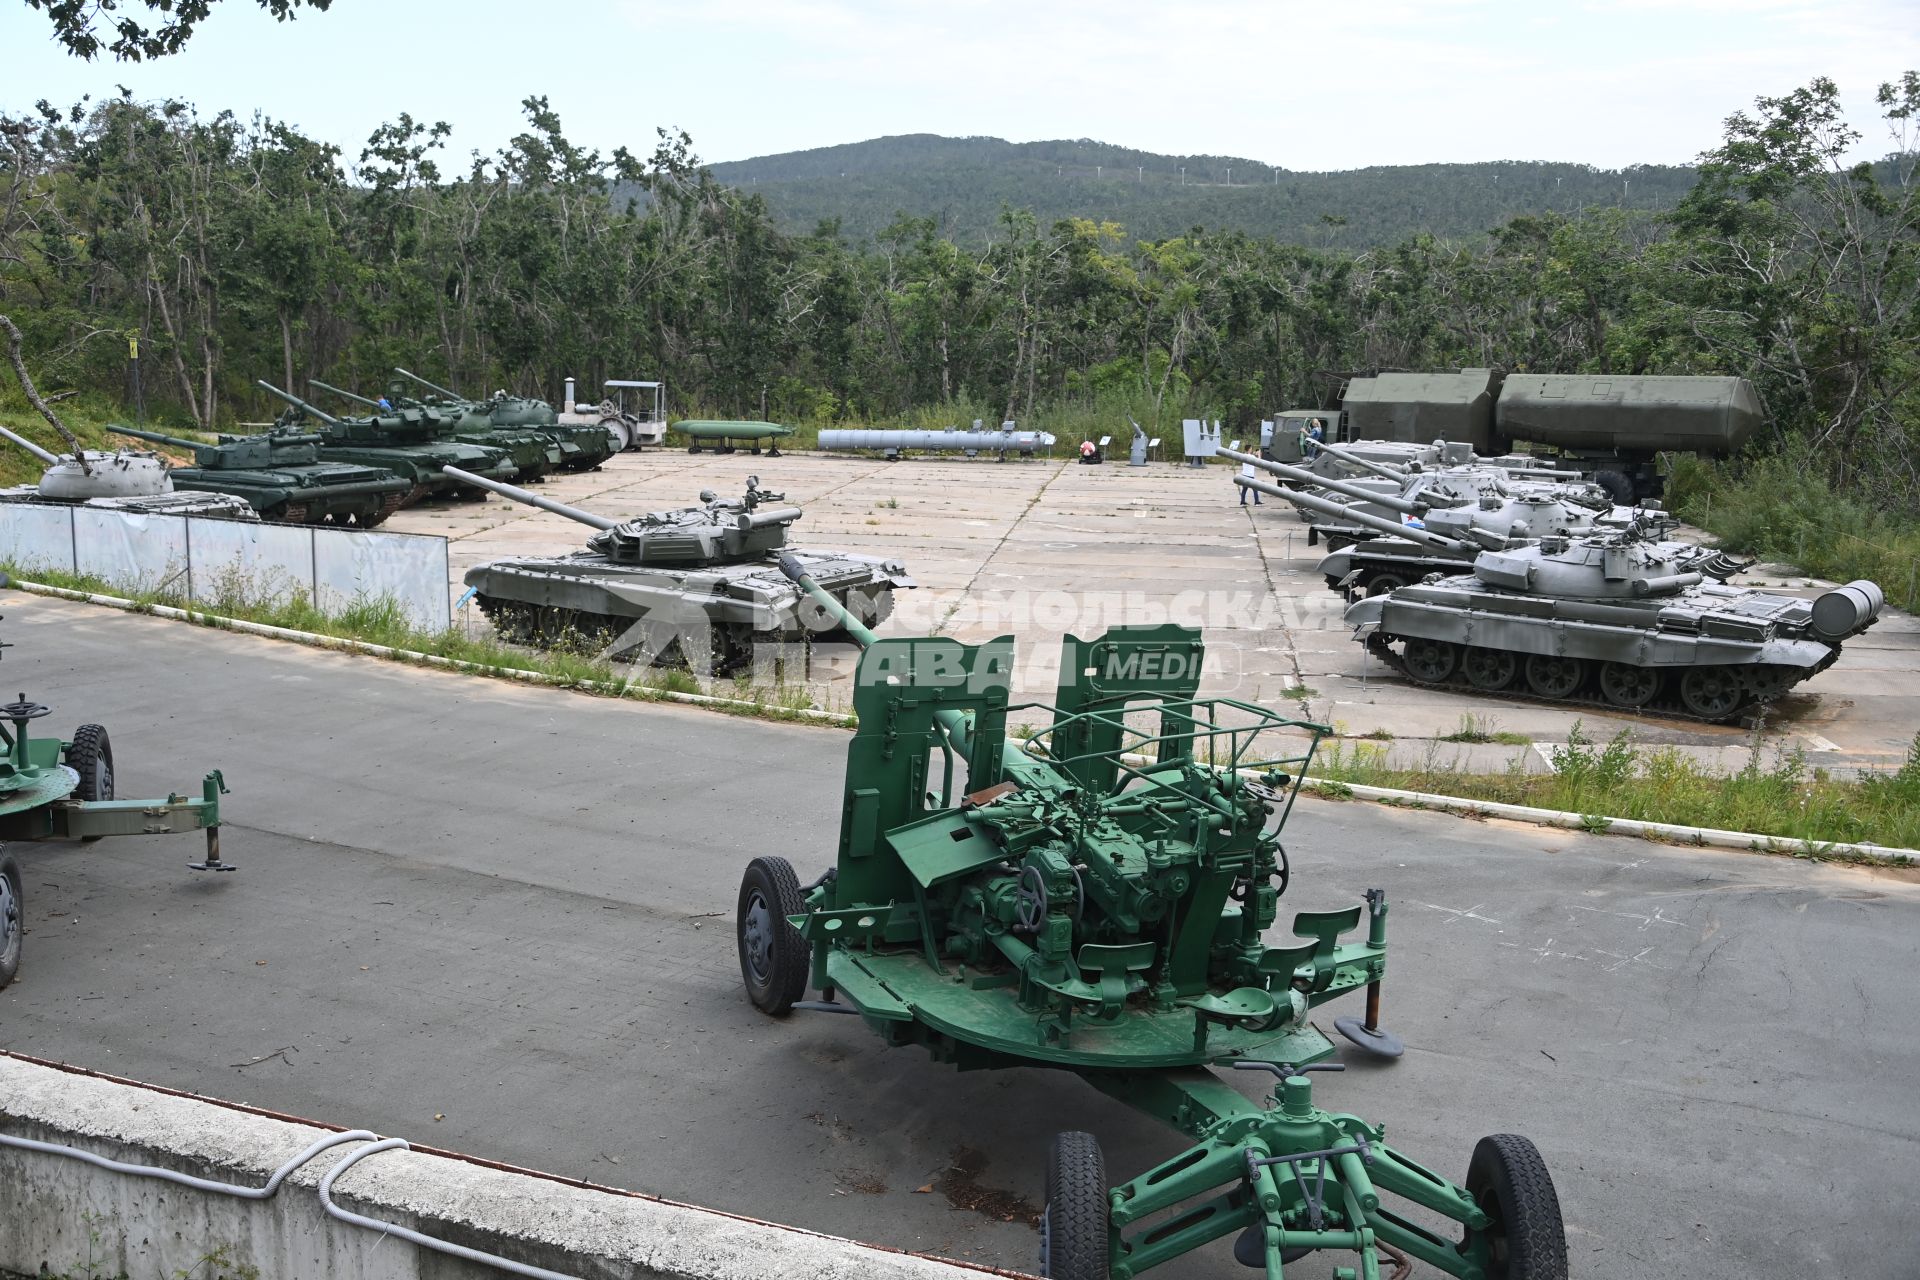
{"points": [[570, 446], [280, 475], [532, 454], [1103, 897], [694, 587], [1614, 620], [411, 444], [133, 480]]}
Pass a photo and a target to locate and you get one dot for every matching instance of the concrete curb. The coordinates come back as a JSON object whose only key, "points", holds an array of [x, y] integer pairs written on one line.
{"points": [[55, 1206], [1594, 823], [345, 645]]}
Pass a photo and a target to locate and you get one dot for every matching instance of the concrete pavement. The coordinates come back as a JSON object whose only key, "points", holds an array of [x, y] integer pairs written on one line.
{"points": [[499, 920]]}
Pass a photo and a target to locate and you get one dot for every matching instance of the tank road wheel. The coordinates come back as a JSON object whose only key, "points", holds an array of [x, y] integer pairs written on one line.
{"points": [[1553, 676], [1431, 661], [773, 955], [1073, 1229], [11, 917], [1509, 1182], [1766, 681], [1628, 686], [1490, 670], [1712, 693], [91, 756], [1381, 583]]}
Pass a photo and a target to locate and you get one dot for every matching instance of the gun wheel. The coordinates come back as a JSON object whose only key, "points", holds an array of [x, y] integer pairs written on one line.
{"points": [[1073, 1230], [91, 756], [11, 928], [1509, 1182], [773, 955]]}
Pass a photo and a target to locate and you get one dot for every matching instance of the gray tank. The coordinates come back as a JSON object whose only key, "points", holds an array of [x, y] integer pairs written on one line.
{"points": [[133, 480], [695, 587], [1615, 620]]}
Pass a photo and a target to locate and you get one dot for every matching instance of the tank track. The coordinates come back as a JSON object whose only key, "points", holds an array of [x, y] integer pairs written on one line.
{"points": [[551, 627], [1666, 705]]}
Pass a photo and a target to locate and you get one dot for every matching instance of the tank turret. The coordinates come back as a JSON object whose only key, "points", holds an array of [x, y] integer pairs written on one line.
{"points": [[1619, 620], [698, 586]]}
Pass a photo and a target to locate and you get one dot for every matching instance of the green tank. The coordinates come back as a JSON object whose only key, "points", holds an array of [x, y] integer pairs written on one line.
{"points": [[579, 446], [412, 445], [280, 474], [534, 455]]}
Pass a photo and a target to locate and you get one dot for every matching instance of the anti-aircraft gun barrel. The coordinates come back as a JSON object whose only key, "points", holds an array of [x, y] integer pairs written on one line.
{"points": [[436, 389], [1392, 502], [50, 459], [1386, 528], [343, 393], [297, 402], [518, 494]]}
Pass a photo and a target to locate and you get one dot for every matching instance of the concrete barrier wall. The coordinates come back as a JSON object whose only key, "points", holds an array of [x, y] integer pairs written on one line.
{"points": [[72, 1218]]}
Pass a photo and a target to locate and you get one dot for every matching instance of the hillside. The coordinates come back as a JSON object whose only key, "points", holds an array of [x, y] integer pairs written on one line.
{"points": [[963, 182]]}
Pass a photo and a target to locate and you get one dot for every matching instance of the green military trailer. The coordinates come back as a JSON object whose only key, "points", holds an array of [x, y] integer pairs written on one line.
{"points": [[55, 789], [1097, 897]]}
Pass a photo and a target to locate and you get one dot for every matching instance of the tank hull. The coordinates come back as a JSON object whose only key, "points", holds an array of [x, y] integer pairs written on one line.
{"points": [[706, 618], [322, 493], [420, 465]]}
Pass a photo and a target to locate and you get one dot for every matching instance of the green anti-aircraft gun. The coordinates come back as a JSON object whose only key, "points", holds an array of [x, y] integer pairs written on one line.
{"points": [[52, 789], [1096, 898]]}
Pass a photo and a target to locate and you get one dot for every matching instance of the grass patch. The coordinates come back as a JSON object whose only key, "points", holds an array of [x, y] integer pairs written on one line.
{"points": [[1481, 729], [382, 622], [1777, 796], [1299, 692]]}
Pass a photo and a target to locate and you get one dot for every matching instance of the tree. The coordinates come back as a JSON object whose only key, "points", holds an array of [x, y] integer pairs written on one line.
{"points": [[78, 24]]}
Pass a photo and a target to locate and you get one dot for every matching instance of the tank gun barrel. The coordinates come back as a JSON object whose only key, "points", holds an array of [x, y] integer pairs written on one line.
{"points": [[1387, 528], [343, 393], [178, 442], [1366, 464], [297, 402], [1391, 502], [436, 389], [50, 459], [518, 494]]}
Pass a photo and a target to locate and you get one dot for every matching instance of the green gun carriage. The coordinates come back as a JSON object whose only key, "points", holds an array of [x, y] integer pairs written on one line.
{"points": [[1097, 898]]}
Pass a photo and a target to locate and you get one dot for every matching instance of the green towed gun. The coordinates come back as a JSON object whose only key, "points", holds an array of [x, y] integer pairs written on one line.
{"points": [[281, 476], [52, 789], [1095, 898], [721, 435]]}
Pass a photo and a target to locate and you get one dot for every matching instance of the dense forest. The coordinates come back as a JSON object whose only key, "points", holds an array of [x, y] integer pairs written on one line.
{"points": [[963, 183], [235, 249]]}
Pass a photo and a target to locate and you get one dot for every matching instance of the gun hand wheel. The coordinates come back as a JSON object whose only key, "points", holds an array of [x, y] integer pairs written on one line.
{"points": [[773, 955]]}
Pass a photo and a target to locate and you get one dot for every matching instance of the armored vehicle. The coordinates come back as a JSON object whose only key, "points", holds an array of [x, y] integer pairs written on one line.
{"points": [[52, 789], [135, 480], [1616, 620], [572, 446], [1103, 898], [408, 442], [694, 587], [533, 454], [281, 476]]}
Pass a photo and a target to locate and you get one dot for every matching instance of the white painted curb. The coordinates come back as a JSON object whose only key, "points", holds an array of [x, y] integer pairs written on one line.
{"points": [[1594, 823]]}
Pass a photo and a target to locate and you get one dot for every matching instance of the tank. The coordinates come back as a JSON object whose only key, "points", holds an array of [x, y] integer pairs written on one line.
{"points": [[574, 446], [280, 475], [534, 456], [1617, 620], [135, 480], [407, 442], [694, 587]]}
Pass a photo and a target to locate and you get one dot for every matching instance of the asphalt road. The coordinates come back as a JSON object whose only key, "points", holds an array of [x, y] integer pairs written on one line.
{"points": [[498, 920]]}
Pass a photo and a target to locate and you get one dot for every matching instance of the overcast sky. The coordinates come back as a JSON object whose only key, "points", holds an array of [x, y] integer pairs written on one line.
{"points": [[1286, 82]]}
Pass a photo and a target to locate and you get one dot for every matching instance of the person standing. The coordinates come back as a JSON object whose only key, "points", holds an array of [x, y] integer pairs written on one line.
{"points": [[1247, 472]]}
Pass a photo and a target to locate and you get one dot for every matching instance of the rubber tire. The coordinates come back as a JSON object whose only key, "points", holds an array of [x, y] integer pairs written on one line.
{"points": [[91, 756], [1509, 1181], [772, 879], [1617, 485], [1074, 1241], [10, 953]]}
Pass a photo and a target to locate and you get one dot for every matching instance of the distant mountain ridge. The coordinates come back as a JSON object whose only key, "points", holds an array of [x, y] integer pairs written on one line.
{"points": [[962, 183]]}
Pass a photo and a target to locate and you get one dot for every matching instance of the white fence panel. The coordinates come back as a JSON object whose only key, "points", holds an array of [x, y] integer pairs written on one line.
{"points": [[349, 565], [136, 553], [252, 563], [36, 537]]}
